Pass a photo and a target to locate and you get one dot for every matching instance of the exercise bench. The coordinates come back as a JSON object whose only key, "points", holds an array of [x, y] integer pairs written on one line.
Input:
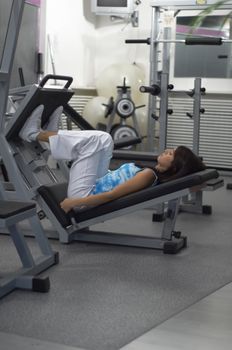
{"points": [[11, 213], [75, 225]]}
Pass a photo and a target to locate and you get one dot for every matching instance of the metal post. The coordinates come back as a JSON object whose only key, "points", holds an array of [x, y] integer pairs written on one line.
{"points": [[164, 81], [196, 115], [152, 100], [163, 116], [166, 50]]}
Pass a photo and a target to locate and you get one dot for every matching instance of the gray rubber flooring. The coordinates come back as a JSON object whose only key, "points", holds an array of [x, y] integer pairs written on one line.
{"points": [[206, 325], [103, 297]]}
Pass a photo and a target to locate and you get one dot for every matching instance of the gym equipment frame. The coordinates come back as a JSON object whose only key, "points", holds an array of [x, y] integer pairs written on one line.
{"points": [[157, 65], [159, 86], [12, 212]]}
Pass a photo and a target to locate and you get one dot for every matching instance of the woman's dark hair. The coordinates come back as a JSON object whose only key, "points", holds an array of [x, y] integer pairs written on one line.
{"points": [[185, 162]]}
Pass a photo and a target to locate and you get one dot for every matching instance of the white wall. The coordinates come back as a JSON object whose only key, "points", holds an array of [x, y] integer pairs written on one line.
{"points": [[84, 44], [72, 39], [83, 47]]}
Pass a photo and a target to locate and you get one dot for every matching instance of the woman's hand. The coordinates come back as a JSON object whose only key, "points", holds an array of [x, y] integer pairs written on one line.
{"points": [[69, 203]]}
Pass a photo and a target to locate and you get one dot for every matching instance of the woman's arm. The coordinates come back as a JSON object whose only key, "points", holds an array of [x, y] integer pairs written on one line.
{"points": [[141, 180]]}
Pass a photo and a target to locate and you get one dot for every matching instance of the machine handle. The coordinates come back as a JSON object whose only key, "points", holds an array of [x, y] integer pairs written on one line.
{"points": [[138, 41], [153, 89], [203, 41], [56, 77]]}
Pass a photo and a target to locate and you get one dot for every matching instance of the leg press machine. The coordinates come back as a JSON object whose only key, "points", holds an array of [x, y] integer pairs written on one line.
{"points": [[36, 181]]}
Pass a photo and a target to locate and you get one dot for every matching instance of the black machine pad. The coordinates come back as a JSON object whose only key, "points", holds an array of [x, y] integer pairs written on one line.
{"points": [[53, 194]]}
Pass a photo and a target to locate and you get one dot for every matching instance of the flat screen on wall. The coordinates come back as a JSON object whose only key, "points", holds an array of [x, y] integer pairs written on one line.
{"points": [[34, 2], [112, 7]]}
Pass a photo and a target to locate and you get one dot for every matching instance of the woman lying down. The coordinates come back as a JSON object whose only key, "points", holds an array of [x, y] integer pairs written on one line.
{"points": [[91, 183]]}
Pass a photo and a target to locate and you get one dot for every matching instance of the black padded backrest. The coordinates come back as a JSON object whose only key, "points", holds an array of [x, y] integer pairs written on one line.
{"points": [[49, 97], [53, 194], [148, 194]]}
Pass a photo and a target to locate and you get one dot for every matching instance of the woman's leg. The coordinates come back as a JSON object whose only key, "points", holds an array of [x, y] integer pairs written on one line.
{"points": [[31, 127], [54, 120], [90, 152]]}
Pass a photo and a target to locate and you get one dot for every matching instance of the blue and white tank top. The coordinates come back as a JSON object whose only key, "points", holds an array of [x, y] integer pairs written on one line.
{"points": [[115, 177]]}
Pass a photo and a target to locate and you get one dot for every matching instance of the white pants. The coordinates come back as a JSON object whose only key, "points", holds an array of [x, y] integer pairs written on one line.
{"points": [[90, 151]]}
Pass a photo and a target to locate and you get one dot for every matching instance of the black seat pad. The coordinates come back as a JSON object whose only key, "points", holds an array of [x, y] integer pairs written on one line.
{"points": [[53, 194], [10, 208]]}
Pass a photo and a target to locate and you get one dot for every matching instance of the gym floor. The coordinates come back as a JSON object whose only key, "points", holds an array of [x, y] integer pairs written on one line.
{"points": [[107, 297]]}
